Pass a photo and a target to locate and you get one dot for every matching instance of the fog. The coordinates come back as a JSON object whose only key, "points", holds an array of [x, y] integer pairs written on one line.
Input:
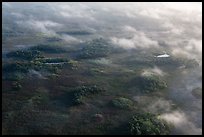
{"points": [[190, 115], [143, 25], [172, 27]]}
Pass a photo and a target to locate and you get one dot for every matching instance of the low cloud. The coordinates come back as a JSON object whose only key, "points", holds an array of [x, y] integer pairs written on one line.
{"points": [[73, 10], [153, 71], [69, 39], [160, 105], [138, 39], [182, 125], [190, 49], [45, 26]]}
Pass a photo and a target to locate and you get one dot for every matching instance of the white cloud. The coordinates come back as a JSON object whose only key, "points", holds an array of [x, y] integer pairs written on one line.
{"points": [[124, 43], [160, 105], [74, 10], [129, 28], [190, 49], [153, 71], [70, 39], [181, 123], [138, 40], [40, 26], [175, 117]]}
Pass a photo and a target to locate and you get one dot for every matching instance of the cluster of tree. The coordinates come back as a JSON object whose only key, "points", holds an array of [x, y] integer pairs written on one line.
{"points": [[95, 48], [176, 62], [16, 67], [49, 48], [79, 93], [150, 83], [148, 124], [37, 64], [122, 103], [53, 39], [53, 60], [25, 54]]}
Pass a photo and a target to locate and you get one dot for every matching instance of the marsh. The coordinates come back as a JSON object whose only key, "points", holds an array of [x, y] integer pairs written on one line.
{"points": [[100, 68]]}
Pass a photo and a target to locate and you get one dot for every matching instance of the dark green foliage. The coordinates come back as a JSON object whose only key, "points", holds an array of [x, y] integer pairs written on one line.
{"points": [[176, 62], [75, 32], [150, 83], [122, 103], [94, 49], [80, 93], [49, 48], [53, 39], [53, 68], [54, 60], [60, 62], [16, 67], [38, 64], [25, 54], [147, 124], [15, 76]]}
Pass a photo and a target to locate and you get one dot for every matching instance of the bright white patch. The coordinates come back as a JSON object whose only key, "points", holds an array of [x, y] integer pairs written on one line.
{"points": [[163, 56], [174, 117], [139, 40]]}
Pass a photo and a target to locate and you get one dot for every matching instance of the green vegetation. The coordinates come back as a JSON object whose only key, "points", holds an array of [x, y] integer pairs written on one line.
{"points": [[93, 69], [53, 39], [49, 48], [75, 32], [54, 64], [13, 76], [16, 67], [149, 83], [60, 78], [176, 62], [94, 49], [84, 91], [122, 103], [25, 54], [148, 124], [14, 70], [53, 60]]}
